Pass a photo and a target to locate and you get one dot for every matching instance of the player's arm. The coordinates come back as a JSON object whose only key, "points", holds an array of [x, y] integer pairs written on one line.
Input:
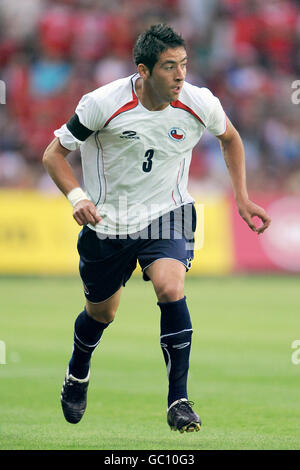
{"points": [[54, 161], [233, 151]]}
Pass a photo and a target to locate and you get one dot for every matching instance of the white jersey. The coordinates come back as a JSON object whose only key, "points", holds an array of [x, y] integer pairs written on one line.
{"points": [[135, 161]]}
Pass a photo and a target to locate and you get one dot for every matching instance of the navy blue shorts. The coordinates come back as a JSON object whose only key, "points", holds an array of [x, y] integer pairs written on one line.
{"points": [[107, 262]]}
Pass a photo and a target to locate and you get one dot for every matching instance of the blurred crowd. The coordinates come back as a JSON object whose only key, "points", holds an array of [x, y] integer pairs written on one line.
{"points": [[246, 51]]}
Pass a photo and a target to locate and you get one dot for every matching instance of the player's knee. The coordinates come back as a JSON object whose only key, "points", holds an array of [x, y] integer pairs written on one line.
{"points": [[106, 315], [170, 291], [105, 311]]}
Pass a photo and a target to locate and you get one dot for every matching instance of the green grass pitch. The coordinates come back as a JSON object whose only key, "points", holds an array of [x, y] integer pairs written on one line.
{"points": [[242, 379]]}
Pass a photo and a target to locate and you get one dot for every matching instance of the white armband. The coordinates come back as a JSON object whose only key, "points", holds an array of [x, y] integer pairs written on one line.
{"points": [[76, 195]]}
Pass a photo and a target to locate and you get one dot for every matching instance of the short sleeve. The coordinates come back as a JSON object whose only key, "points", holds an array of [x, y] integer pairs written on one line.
{"points": [[86, 120], [67, 139], [89, 113], [216, 123]]}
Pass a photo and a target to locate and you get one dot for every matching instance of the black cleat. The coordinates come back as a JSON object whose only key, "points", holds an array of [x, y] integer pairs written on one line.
{"points": [[73, 397], [181, 417]]}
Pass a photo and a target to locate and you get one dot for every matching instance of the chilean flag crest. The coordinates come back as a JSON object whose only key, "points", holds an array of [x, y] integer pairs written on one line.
{"points": [[176, 134]]}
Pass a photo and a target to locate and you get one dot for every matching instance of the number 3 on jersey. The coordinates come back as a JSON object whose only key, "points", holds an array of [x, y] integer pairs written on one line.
{"points": [[147, 165]]}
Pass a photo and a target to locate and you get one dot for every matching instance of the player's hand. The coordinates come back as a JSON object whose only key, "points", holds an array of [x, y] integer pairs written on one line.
{"points": [[85, 212], [247, 210]]}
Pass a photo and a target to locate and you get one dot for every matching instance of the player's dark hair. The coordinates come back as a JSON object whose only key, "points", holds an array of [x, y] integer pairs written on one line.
{"points": [[152, 42]]}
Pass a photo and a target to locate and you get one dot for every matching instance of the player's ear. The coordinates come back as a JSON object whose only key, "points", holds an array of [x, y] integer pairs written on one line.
{"points": [[143, 71]]}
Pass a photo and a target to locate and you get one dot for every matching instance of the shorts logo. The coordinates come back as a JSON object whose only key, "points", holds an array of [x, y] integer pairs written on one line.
{"points": [[176, 134], [85, 289]]}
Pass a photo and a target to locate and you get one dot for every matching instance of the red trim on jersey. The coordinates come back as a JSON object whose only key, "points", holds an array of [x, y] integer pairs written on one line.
{"points": [[173, 197], [130, 105], [103, 170], [180, 105]]}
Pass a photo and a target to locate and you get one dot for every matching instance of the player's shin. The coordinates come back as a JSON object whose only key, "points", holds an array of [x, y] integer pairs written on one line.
{"points": [[175, 340], [87, 335]]}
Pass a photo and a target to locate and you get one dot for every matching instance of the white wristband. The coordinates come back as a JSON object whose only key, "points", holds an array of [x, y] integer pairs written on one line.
{"points": [[76, 195]]}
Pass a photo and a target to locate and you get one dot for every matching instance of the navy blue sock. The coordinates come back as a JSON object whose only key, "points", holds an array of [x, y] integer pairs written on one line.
{"points": [[175, 340], [87, 334]]}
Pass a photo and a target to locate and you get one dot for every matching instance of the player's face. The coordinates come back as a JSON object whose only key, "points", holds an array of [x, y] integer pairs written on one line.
{"points": [[169, 73]]}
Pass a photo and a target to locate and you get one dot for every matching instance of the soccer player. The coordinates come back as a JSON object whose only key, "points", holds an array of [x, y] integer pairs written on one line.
{"points": [[136, 137]]}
